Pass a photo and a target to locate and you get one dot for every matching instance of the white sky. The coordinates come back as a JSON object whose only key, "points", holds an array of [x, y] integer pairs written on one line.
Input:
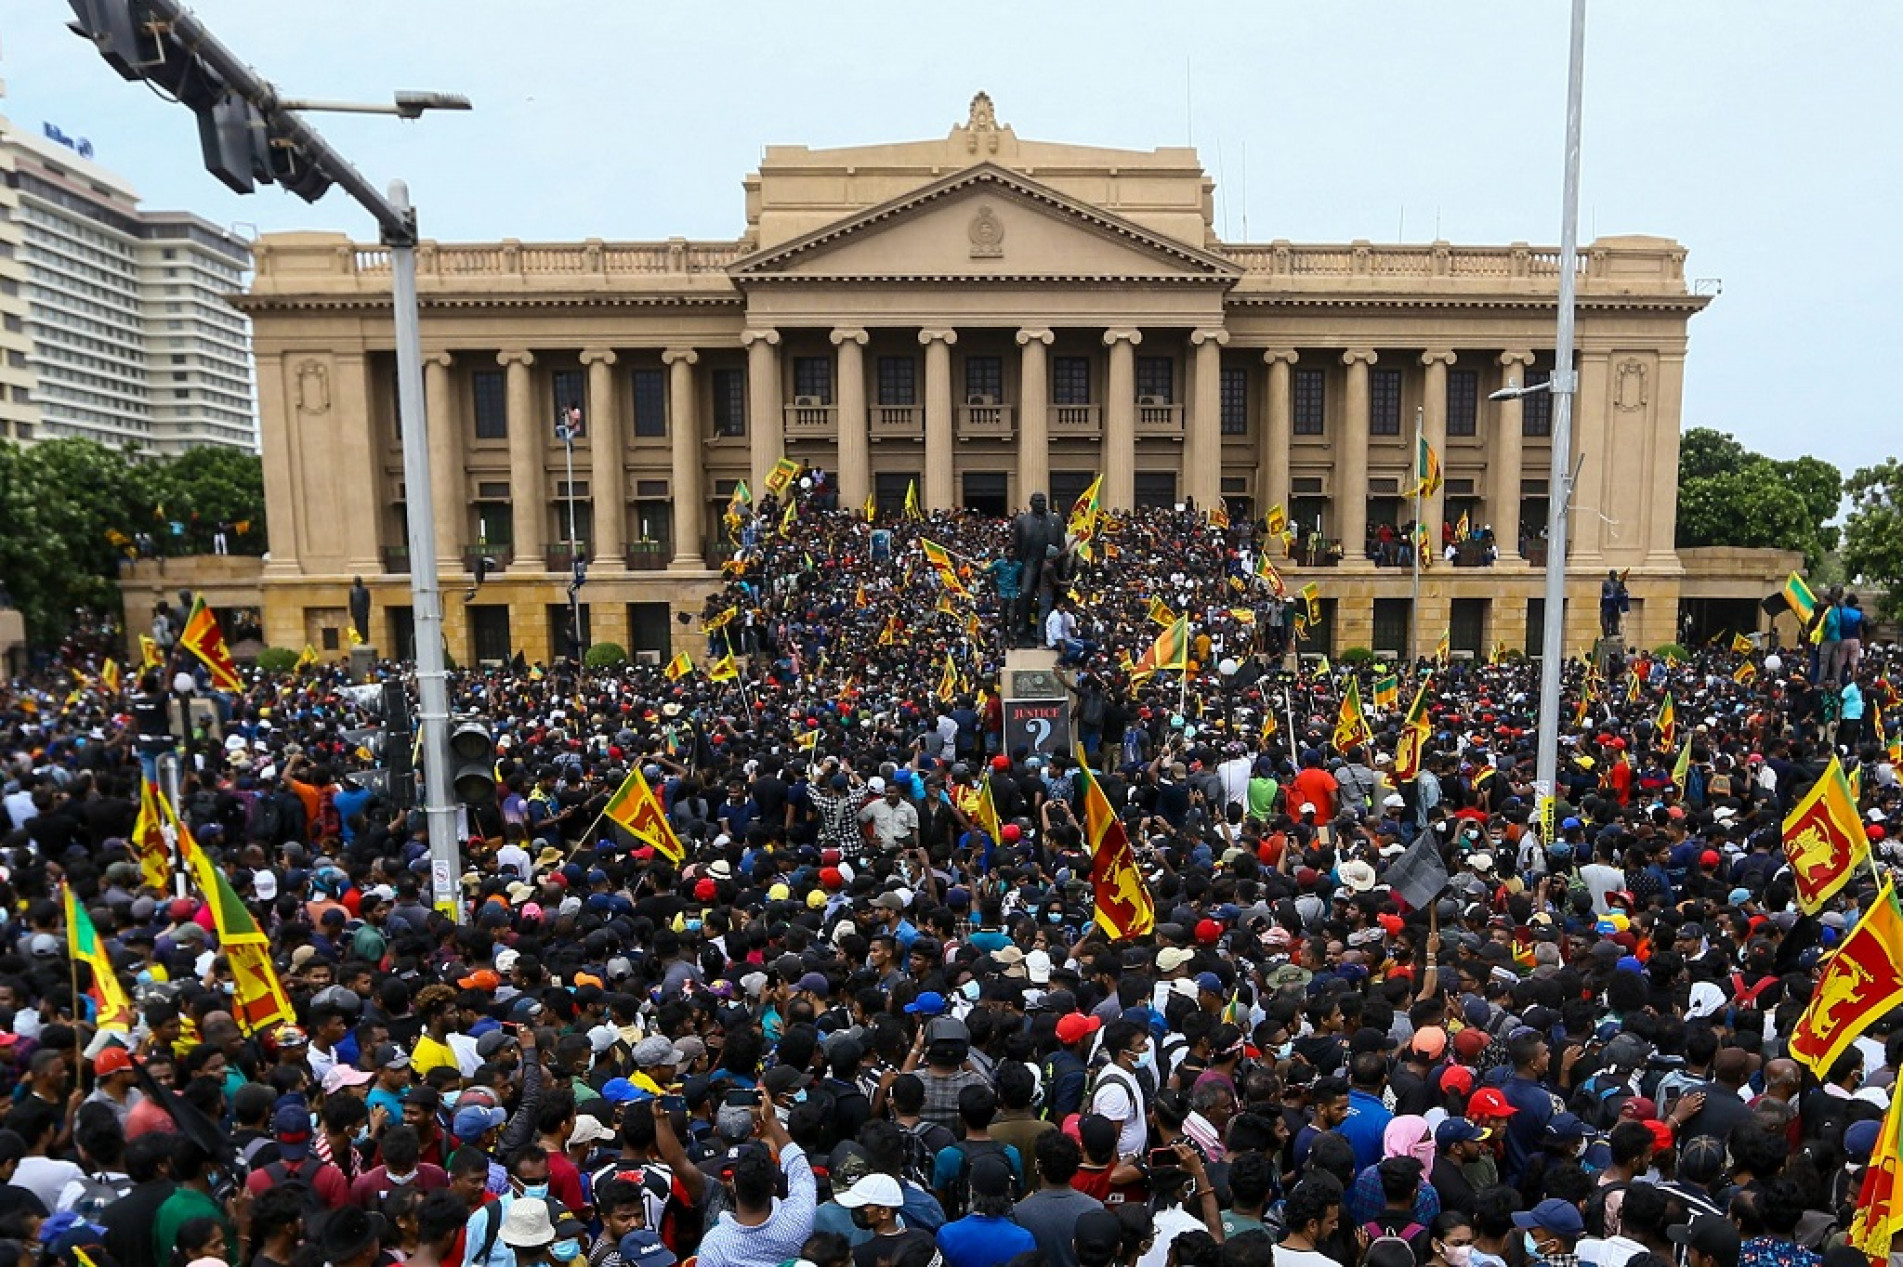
{"points": [[1763, 136]]}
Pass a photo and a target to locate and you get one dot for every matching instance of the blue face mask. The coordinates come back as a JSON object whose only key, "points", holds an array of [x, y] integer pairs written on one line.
{"points": [[535, 1191], [565, 1251], [1532, 1246]]}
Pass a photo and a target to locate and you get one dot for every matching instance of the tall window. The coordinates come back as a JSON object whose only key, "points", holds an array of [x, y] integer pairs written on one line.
{"points": [[1463, 402], [1156, 378], [813, 379], [1070, 380], [1384, 403], [1311, 402], [984, 379], [490, 397], [1536, 411], [1235, 402], [570, 388], [650, 403], [730, 402], [898, 380]]}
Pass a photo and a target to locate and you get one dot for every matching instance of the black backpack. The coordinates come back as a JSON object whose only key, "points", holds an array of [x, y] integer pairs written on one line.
{"points": [[923, 1143], [300, 1178], [265, 824], [956, 1197]]}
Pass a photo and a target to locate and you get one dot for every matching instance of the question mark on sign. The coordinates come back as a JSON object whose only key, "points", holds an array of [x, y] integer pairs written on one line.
{"points": [[1040, 728]]}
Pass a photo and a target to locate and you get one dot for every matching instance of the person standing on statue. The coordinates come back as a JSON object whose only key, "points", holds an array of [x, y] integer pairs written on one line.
{"points": [[1614, 603], [360, 608], [1033, 533], [1007, 574]]}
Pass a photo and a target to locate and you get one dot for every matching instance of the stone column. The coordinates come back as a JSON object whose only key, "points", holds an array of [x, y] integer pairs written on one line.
{"points": [[1034, 414], [1503, 465], [1271, 480], [938, 488], [1202, 432], [447, 489], [359, 513], [1351, 458], [608, 468], [528, 497], [277, 405], [855, 440], [1662, 424], [1120, 421], [683, 433], [1434, 428], [766, 427], [1585, 530]]}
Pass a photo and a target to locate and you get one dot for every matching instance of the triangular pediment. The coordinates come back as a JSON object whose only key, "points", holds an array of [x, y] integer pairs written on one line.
{"points": [[984, 223]]}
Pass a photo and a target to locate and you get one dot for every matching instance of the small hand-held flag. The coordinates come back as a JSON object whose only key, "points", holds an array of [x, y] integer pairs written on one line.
{"points": [[636, 809], [203, 639], [679, 667]]}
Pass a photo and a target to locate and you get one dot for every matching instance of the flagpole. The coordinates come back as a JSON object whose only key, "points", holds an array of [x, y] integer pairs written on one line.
{"points": [[72, 960], [1288, 705], [1414, 604]]}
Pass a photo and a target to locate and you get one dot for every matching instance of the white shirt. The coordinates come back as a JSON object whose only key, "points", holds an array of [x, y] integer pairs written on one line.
{"points": [[1169, 1224], [45, 1178], [20, 808], [1057, 626], [515, 858], [1286, 1257], [1117, 1098], [1234, 774]]}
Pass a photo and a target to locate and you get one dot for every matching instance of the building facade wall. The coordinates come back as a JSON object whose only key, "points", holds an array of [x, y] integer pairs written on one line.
{"points": [[990, 318]]}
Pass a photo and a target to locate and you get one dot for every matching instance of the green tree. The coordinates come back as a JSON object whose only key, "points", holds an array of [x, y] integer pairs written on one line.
{"points": [[1873, 532], [1729, 495], [203, 488], [58, 501]]}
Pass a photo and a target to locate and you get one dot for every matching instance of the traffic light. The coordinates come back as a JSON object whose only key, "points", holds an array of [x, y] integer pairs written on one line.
{"points": [[237, 150], [472, 763]]}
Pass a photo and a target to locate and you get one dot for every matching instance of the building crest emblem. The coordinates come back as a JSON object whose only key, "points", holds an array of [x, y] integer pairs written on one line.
{"points": [[987, 234], [313, 388]]}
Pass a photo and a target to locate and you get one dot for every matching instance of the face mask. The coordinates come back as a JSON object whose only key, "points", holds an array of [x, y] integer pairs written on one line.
{"points": [[565, 1251], [1148, 1059], [1285, 1050], [1532, 1246], [401, 1180], [970, 990], [535, 1191], [1457, 1255]]}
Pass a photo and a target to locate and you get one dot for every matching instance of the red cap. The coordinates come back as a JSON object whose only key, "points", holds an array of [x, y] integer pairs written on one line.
{"points": [[1709, 858], [1009, 834], [1000, 762], [1457, 1078], [1470, 1043], [1208, 932], [829, 878], [1077, 1026], [1489, 1102], [706, 891], [1661, 1133], [112, 1060]]}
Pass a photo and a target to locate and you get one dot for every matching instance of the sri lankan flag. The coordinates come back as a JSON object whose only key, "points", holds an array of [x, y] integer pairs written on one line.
{"points": [[112, 1009], [258, 1000], [1880, 1199], [203, 639], [986, 810], [1265, 571], [1744, 673], [148, 838], [109, 676], [1862, 981], [306, 658], [1741, 644], [1219, 515], [679, 667], [860, 600], [1824, 840], [1799, 598], [1275, 523], [1312, 600], [1351, 727], [1427, 479], [1666, 724], [948, 679], [148, 653], [781, 477], [1682, 768], [1632, 688], [1413, 741], [941, 560], [1161, 614], [636, 810], [1423, 547], [1122, 900], [720, 621], [723, 670], [1445, 647], [1170, 651], [1085, 513], [911, 501], [1387, 691]]}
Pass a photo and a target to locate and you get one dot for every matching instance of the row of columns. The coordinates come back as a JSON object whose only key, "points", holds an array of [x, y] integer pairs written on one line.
{"points": [[1202, 437], [1349, 443]]}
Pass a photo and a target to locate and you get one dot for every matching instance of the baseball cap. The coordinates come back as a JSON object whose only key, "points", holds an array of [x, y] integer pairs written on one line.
{"points": [[292, 1127], [474, 1122], [481, 979], [991, 1176], [492, 1042], [1558, 1217], [1458, 1130], [1098, 1237], [875, 1189], [1430, 1041], [1077, 1026], [930, 1003], [1469, 1043], [342, 1076], [1489, 1102]]}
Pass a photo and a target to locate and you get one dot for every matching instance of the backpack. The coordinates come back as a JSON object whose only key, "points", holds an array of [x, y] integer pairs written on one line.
{"points": [[1114, 1073], [1062, 1072], [956, 1196], [1594, 1101], [265, 823], [1401, 1225], [923, 1143], [298, 1180], [96, 1192]]}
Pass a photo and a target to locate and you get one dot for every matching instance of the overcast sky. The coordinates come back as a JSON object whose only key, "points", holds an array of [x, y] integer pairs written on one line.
{"points": [[1763, 136]]}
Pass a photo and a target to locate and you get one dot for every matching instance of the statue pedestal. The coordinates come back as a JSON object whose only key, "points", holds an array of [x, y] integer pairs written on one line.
{"points": [[363, 662]]}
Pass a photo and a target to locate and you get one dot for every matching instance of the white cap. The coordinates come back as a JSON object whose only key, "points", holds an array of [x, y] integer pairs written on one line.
{"points": [[874, 1189]]}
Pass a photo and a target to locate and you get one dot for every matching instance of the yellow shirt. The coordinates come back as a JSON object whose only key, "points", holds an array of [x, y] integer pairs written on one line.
{"points": [[430, 1054]]}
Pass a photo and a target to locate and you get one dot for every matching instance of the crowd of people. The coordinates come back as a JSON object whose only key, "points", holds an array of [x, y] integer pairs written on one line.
{"points": [[847, 1027]]}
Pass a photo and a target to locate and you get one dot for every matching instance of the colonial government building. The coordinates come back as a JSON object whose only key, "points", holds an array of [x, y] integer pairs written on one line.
{"points": [[989, 317]]}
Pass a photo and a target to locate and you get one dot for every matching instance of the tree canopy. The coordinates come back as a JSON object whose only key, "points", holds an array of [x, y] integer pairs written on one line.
{"points": [[1731, 496], [71, 511], [1873, 532]]}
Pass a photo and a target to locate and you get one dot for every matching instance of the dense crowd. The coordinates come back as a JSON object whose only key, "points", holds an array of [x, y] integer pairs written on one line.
{"points": [[849, 1027]]}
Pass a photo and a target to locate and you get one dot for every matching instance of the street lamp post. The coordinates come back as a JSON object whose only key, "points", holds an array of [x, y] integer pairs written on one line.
{"points": [[254, 105], [1563, 385]]}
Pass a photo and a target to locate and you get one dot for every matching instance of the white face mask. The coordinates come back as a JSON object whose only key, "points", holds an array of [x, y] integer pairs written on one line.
{"points": [[1457, 1255]]}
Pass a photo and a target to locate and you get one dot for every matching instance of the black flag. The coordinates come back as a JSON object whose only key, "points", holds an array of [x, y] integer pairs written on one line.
{"points": [[1418, 876]]}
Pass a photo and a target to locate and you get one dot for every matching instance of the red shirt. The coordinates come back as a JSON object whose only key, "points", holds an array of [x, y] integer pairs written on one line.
{"points": [[1314, 786], [325, 1179], [564, 1182]]}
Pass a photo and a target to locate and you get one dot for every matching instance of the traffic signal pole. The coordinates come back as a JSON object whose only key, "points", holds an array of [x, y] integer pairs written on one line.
{"points": [[183, 36]]}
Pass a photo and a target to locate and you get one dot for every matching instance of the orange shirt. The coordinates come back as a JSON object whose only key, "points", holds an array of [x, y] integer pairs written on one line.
{"points": [[1314, 786]]}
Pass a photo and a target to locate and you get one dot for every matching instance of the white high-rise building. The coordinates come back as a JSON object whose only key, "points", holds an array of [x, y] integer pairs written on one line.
{"points": [[116, 325]]}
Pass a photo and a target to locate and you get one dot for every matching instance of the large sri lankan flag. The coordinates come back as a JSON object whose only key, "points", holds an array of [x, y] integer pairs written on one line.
{"points": [[113, 1009], [1823, 839], [1861, 982], [1124, 907], [258, 1000]]}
